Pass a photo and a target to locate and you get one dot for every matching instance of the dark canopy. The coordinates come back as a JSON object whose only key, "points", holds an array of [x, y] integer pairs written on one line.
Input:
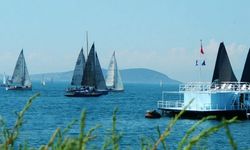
{"points": [[246, 72], [223, 71]]}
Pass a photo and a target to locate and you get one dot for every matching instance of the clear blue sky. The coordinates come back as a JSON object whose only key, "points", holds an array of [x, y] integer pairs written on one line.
{"points": [[161, 35]]}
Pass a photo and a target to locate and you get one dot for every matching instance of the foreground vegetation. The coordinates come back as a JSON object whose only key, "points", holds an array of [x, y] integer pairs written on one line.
{"points": [[61, 141]]}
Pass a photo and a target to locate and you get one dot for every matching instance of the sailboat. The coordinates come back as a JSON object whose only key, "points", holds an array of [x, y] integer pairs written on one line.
{"points": [[43, 82], [76, 89], [5, 81], [20, 79], [93, 77], [113, 78]]}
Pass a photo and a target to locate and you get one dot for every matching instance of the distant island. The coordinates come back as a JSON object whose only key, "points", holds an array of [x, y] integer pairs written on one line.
{"points": [[135, 75]]}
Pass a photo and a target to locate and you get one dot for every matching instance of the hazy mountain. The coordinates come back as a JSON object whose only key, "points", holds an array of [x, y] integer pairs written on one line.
{"points": [[136, 75]]}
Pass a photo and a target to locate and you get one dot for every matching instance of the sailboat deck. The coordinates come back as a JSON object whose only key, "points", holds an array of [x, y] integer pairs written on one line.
{"points": [[238, 87]]}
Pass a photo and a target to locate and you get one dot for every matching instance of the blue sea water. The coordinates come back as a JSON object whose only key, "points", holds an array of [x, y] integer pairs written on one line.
{"points": [[52, 109]]}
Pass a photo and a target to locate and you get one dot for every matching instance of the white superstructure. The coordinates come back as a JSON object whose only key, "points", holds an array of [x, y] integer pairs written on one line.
{"points": [[208, 97]]}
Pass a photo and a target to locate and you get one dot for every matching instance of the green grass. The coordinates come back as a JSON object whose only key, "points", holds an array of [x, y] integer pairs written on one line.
{"points": [[60, 140]]}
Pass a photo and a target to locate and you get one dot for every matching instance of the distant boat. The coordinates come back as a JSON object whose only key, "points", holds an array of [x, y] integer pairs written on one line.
{"points": [[93, 76], [20, 79], [88, 80], [43, 82], [152, 114], [76, 89], [113, 78], [5, 81]]}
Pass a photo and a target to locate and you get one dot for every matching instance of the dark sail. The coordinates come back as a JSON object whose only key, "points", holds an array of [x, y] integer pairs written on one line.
{"points": [[246, 72], [89, 71], [20, 75], [93, 75], [100, 81], [223, 71], [78, 71]]}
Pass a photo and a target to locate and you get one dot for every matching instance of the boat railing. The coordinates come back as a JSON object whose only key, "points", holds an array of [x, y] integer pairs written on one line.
{"points": [[170, 104], [179, 104], [216, 87]]}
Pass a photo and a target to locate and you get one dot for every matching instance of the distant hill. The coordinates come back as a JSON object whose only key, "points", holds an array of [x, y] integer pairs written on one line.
{"points": [[136, 75]]}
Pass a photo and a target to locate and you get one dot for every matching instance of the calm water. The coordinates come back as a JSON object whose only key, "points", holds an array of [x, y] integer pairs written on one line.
{"points": [[52, 110]]}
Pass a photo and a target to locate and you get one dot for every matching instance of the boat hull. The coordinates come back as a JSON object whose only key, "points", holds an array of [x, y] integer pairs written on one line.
{"points": [[19, 88], [152, 115], [114, 90], [191, 114], [82, 94]]}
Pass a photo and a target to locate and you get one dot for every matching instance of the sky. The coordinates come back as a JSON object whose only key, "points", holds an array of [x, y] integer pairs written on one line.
{"points": [[162, 35]]}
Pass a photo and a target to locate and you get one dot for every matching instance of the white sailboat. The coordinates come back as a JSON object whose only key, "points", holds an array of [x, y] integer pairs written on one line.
{"points": [[20, 79], [113, 78], [5, 80], [43, 82]]}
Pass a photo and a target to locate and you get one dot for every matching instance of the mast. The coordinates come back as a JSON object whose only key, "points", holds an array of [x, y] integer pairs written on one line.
{"points": [[87, 43], [200, 62]]}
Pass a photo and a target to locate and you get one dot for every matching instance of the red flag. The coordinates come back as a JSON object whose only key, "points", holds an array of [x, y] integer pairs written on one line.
{"points": [[202, 52]]}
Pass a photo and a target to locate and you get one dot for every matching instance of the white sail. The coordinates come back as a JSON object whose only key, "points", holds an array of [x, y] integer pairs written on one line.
{"points": [[21, 75], [78, 71], [4, 79], [43, 82], [113, 78]]}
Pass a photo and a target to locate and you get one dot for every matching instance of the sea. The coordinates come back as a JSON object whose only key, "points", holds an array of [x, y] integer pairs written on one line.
{"points": [[53, 110]]}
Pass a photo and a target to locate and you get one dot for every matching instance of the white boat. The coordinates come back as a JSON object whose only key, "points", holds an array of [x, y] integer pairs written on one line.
{"points": [[43, 82], [113, 78], [20, 79], [5, 81], [223, 97]]}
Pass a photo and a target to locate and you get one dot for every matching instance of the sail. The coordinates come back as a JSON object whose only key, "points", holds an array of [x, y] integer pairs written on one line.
{"points": [[78, 71], [246, 72], [223, 71], [93, 73], [89, 70], [100, 82], [110, 78], [113, 78], [21, 75], [4, 79]]}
